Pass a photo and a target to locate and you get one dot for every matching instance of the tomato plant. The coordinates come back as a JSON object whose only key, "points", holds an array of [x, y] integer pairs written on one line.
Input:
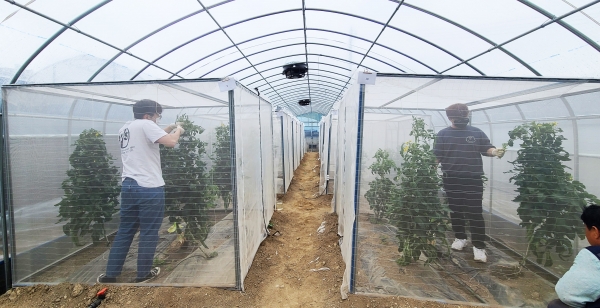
{"points": [[91, 189], [221, 170], [382, 188], [421, 218], [550, 201], [189, 192]]}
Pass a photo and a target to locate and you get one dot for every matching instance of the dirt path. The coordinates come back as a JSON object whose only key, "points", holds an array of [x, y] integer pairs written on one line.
{"points": [[280, 275]]}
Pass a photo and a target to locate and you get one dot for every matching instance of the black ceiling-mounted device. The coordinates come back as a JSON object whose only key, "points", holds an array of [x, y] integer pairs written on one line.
{"points": [[304, 102], [295, 70]]}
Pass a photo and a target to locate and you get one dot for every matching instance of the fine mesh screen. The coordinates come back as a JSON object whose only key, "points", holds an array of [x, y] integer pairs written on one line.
{"points": [[327, 152], [284, 149], [395, 254], [44, 126], [345, 177]]}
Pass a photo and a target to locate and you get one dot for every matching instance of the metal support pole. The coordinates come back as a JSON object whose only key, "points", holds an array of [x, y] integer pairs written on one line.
{"points": [[4, 198], [361, 114], [283, 155], [293, 149], [328, 156], [234, 198]]}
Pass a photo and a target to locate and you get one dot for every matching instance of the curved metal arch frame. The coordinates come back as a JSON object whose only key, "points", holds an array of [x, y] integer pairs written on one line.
{"points": [[295, 44], [306, 49], [562, 23], [317, 75], [302, 95], [236, 46], [223, 49], [279, 77], [301, 90], [318, 89], [54, 36], [285, 86], [295, 10], [485, 39], [335, 32], [321, 89], [70, 27], [279, 67], [295, 84], [319, 106], [279, 58], [536, 8], [473, 33], [98, 71], [402, 31], [326, 79], [336, 12], [553, 19], [361, 61]]}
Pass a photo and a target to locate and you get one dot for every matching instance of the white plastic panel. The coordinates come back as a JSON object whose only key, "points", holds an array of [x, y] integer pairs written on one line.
{"points": [[359, 44], [552, 48], [211, 63], [440, 32], [498, 63], [343, 23], [139, 19], [381, 12], [263, 25], [417, 49], [585, 104], [498, 21], [226, 14], [586, 22], [175, 35], [55, 9], [557, 7]]}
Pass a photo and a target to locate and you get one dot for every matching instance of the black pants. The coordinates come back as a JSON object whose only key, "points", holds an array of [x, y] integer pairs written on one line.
{"points": [[464, 199]]}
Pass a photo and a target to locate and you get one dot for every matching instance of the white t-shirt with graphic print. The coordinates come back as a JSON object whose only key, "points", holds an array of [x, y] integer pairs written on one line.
{"points": [[140, 153]]}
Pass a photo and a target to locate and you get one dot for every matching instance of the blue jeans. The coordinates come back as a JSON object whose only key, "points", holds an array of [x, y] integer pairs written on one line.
{"points": [[142, 208]]}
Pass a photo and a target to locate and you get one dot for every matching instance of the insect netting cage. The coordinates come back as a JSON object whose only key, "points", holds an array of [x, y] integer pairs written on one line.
{"points": [[62, 145], [394, 213]]}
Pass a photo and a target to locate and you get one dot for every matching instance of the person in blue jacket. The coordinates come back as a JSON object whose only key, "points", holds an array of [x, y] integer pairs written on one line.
{"points": [[580, 286], [459, 149]]}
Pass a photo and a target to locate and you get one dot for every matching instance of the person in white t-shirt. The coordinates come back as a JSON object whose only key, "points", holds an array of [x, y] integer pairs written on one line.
{"points": [[142, 190]]}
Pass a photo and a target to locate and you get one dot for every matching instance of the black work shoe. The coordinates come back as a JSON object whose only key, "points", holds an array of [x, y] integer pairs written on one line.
{"points": [[153, 274], [103, 279]]}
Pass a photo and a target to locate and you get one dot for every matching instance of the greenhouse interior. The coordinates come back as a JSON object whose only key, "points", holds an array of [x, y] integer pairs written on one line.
{"points": [[369, 86]]}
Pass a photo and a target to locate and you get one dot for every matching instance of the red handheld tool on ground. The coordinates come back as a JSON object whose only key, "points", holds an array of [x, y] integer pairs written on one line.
{"points": [[99, 297]]}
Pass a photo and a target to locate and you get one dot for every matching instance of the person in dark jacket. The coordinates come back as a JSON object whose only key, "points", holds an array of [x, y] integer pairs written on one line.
{"points": [[459, 149]]}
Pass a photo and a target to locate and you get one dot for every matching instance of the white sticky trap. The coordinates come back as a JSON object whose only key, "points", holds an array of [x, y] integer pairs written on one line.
{"points": [[366, 77], [227, 84]]}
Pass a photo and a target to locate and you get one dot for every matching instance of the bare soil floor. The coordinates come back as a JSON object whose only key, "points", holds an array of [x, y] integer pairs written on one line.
{"points": [[280, 275]]}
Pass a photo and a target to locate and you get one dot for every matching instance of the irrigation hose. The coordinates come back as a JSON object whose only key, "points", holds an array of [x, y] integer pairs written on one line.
{"points": [[460, 282]]}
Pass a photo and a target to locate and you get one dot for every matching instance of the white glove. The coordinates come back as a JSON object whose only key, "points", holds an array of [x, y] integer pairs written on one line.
{"points": [[498, 152], [174, 125], [181, 130]]}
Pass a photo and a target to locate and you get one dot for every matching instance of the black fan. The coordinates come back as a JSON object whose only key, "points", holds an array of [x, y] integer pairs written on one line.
{"points": [[295, 70], [304, 102]]}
